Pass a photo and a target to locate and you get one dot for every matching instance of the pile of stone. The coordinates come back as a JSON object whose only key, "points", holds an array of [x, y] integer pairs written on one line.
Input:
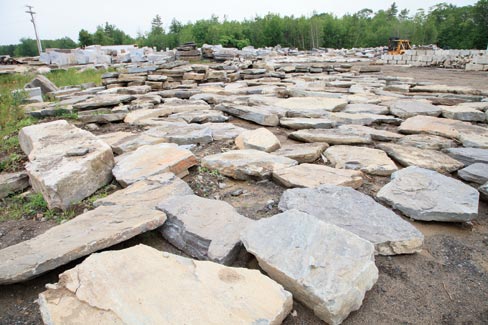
{"points": [[470, 60], [317, 134], [188, 51]]}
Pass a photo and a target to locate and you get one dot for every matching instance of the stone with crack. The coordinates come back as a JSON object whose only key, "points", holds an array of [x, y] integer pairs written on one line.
{"points": [[326, 268]]}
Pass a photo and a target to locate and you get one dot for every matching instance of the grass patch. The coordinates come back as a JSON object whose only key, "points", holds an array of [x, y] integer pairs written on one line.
{"points": [[73, 77]]}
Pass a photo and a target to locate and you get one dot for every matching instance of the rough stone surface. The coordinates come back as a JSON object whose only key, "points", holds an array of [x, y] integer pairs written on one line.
{"points": [[426, 141], [260, 139], [366, 108], [310, 175], [357, 213], [378, 135], [424, 194], [406, 108], [42, 82], [246, 164], [463, 113], [103, 101], [141, 285], [332, 136], [148, 192], [12, 183], [62, 177], [152, 160], [257, 114], [202, 228], [475, 173], [224, 131], [367, 160], [85, 234], [327, 268], [302, 152], [298, 123], [469, 156], [425, 158], [181, 133], [204, 116]]}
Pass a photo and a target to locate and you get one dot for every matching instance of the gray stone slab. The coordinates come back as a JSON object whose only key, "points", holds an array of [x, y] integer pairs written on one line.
{"points": [[357, 213], [426, 195]]}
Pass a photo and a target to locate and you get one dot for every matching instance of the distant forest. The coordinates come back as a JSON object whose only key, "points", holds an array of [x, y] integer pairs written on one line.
{"points": [[444, 24]]}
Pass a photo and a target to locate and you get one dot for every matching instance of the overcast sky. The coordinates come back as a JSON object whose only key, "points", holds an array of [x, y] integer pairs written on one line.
{"points": [[59, 18]]}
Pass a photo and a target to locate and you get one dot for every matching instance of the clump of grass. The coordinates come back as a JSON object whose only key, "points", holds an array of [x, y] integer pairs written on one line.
{"points": [[72, 77], [22, 206], [205, 170]]}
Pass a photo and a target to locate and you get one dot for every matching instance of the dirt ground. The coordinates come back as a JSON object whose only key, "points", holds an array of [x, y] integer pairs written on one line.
{"points": [[447, 283]]}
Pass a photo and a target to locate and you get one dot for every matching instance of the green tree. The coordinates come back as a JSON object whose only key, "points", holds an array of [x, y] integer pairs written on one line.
{"points": [[85, 38]]}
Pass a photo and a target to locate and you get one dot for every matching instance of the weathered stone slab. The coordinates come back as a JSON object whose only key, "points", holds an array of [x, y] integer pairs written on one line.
{"points": [[366, 108], [302, 152], [203, 116], [332, 136], [475, 173], [468, 156], [313, 105], [367, 160], [103, 101], [67, 164], [224, 131], [298, 123], [151, 160], [426, 141], [101, 117], [463, 113], [378, 135], [406, 108], [46, 85], [425, 158], [12, 183], [260, 139], [257, 114], [141, 285], [85, 234], [424, 194], [326, 268], [181, 133], [148, 192], [202, 228], [362, 119], [357, 213], [246, 164], [310, 175]]}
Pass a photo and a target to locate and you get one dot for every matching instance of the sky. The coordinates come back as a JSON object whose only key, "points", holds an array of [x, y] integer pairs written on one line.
{"points": [[60, 18]]}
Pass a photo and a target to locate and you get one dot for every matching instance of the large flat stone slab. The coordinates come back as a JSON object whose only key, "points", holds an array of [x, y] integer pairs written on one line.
{"points": [[224, 131], [299, 123], [311, 104], [141, 285], [257, 114], [147, 193], [427, 141], [468, 156], [181, 133], [302, 152], [425, 158], [406, 108], [203, 116], [85, 234], [202, 228], [463, 113], [260, 139], [424, 194], [246, 164], [367, 160], [152, 160], [375, 134], [109, 100], [332, 136], [66, 164], [357, 213], [310, 175], [366, 108], [326, 268]]}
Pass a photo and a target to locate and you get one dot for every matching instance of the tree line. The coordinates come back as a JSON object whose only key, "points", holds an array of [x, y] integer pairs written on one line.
{"points": [[447, 25]]}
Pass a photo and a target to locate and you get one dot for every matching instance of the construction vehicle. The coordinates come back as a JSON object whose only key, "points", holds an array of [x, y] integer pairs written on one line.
{"points": [[397, 46]]}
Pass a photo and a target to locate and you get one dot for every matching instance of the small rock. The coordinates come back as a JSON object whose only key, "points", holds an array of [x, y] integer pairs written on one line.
{"points": [[259, 139]]}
